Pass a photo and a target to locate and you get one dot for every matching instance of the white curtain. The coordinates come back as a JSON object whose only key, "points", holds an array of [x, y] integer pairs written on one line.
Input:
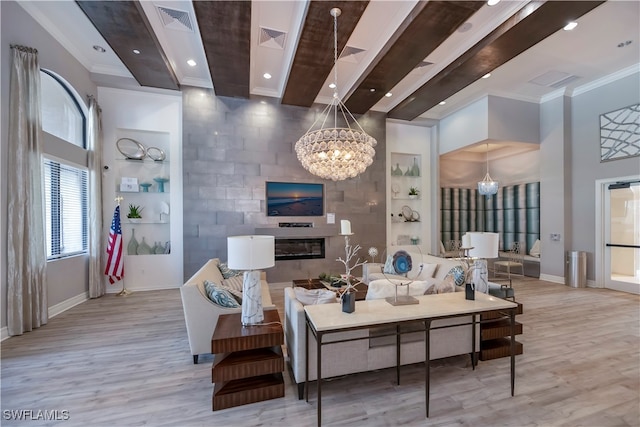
{"points": [[96, 246], [26, 250]]}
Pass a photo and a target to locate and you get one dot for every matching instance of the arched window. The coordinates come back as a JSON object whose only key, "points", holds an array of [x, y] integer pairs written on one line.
{"points": [[65, 180]]}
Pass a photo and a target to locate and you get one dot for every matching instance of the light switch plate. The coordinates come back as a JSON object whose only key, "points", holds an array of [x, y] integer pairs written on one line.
{"points": [[555, 237]]}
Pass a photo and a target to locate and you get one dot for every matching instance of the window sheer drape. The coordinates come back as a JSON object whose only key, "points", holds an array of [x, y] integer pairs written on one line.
{"points": [[96, 246], [26, 250]]}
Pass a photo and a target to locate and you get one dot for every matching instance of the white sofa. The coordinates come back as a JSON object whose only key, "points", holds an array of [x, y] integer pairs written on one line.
{"points": [[373, 353], [201, 314]]}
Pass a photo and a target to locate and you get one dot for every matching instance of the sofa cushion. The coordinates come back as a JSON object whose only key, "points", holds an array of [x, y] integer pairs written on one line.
{"points": [[387, 288], [427, 272], [447, 285], [234, 282], [314, 296], [218, 295], [388, 266]]}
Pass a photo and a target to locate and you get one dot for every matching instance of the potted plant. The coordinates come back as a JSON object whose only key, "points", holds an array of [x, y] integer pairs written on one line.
{"points": [[134, 213], [413, 193]]}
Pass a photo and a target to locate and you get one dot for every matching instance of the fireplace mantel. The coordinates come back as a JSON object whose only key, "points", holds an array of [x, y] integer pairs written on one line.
{"points": [[298, 232]]}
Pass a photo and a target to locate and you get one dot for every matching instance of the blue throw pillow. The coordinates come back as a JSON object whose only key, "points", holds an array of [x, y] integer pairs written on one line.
{"points": [[220, 296], [457, 273], [388, 266], [226, 271]]}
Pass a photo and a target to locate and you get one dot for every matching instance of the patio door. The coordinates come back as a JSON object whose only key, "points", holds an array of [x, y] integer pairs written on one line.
{"points": [[622, 236]]}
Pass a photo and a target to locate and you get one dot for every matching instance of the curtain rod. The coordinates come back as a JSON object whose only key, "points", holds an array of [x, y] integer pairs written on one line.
{"points": [[24, 48]]}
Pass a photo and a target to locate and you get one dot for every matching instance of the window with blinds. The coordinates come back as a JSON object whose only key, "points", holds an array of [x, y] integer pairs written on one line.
{"points": [[65, 191]]}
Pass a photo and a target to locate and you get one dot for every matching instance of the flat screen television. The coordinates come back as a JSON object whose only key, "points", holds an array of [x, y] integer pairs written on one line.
{"points": [[294, 199]]}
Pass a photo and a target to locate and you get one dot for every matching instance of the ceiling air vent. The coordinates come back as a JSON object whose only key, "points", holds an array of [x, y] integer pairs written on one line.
{"points": [[352, 54], [175, 19], [565, 82], [272, 38]]}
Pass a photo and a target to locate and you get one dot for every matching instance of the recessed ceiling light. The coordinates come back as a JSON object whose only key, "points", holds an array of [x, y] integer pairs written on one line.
{"points": [[388, 94], [332, 85], [486, 76], [99, 48], [372, 90], [442, 102], [570, 26], [266, 76], [191, 63], [492, 2], [136, 51]]}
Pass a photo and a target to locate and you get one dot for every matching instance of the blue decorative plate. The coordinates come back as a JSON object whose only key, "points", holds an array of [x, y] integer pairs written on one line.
{"points": [[402, 262]]}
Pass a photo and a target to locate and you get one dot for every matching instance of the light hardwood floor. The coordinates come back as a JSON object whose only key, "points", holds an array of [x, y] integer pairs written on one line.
{"points": [[125, 361]]}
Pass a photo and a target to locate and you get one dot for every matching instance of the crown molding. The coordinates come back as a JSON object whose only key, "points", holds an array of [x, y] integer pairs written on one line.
{"points": [[625, 72]]}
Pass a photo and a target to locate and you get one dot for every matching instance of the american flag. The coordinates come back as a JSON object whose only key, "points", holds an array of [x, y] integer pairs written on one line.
{"points": [[115, 262]]}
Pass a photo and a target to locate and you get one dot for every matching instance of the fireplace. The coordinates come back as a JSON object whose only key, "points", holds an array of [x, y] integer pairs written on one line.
{"points": [[299, 248]]}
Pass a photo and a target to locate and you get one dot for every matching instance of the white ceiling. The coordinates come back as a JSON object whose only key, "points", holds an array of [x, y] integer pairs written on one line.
{"points": [[590, 51]]}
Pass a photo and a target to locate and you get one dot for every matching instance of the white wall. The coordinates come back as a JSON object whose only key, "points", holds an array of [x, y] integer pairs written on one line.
{"points": [[145, 113], [464, 127]]}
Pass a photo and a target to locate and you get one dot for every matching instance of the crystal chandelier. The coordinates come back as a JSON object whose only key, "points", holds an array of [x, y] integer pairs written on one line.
{"points": [[335, 153], [487, 186]]}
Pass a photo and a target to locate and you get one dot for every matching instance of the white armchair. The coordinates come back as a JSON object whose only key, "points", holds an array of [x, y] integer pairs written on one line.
{"points": [[201, 314]]}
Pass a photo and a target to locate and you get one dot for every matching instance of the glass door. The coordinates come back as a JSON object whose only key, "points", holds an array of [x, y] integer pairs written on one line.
{"points": [[622, 237]]}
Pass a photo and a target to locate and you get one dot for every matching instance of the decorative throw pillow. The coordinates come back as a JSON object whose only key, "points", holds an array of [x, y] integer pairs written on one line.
{"points": [[431, 290], [226, 271], [457, 273], [234, 282], [314, 296], [427, 271], [388, 266], [219, 295], [535, 249], [447, 285]]}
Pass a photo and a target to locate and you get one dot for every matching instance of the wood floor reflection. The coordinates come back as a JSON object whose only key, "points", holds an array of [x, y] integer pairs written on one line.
{"points": [[125, 361]]}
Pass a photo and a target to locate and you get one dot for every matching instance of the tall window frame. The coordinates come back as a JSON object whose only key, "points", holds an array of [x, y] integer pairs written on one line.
{"points": [[65, 173]]}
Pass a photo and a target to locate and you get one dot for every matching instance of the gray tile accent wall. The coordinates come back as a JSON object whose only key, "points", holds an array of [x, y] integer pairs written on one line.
{"points": [[231, 147]]}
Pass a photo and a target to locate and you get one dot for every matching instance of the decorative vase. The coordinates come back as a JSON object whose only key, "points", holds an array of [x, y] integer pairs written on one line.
{"points": [[397, 171], [160, 182], [159, 249], [469, 292], [408, 172], [145, 187], [143, 248], [415, 171], [132, 247], [348, 302]]}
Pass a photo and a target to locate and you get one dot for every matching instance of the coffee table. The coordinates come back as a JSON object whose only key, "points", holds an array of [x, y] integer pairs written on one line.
{"points": [[361, 288]]}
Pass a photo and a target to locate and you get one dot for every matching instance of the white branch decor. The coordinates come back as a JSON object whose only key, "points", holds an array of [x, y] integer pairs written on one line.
{"points": [[350, 253]]}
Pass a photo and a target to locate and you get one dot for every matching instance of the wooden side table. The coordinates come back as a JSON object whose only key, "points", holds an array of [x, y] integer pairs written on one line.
{"points": [[248, 361]]}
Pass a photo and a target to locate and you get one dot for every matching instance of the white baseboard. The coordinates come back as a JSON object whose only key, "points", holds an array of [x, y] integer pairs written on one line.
{"points": [[550, 278], [114, 290], [54, 310]]}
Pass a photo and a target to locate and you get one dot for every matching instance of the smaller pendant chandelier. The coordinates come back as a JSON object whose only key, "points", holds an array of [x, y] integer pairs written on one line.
{"points": [[335, 153], [487, 187]]}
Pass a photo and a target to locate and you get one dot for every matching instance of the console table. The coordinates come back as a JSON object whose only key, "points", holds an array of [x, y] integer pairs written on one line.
{"points": [[323, 319], [248, 361]]}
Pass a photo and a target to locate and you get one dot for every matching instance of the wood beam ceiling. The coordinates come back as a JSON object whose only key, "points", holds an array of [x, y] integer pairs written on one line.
{"points": [[225, 28], [425, 28], [532, 24], [124, 25], [313, 59]]}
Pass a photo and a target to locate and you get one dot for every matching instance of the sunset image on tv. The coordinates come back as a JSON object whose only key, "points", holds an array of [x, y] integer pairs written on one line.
{"points": [[294, 199]]}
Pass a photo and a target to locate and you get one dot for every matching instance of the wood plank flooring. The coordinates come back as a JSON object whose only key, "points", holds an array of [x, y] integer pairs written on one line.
{"points": [[125, 361]]}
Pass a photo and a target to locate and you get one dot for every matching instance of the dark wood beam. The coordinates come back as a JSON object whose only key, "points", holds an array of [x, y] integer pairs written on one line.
{"points": [[425, 28], [313, 60], [124, 25], [225, 28], [532, 24]]}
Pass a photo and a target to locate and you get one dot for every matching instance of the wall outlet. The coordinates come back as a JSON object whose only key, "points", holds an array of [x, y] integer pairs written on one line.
{"points": [[555, 237]]}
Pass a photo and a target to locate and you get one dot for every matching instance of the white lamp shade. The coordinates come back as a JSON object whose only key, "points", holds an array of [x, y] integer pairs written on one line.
{"points": [[485, 245], [250, 252]]}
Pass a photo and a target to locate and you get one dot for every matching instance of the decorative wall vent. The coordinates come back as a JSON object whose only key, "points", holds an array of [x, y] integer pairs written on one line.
{"points": [[272, 38], [175, 19], [352, 54]]}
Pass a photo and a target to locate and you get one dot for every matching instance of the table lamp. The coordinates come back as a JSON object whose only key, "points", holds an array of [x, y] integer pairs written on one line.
{"points": [[250, 254], [483, 246]]}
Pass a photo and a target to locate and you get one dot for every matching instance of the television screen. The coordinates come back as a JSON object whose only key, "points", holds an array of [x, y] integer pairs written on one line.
{"points": [[294, 199]]}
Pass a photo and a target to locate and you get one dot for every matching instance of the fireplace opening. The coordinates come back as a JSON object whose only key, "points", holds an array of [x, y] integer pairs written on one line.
{"points": [[299, 248]]}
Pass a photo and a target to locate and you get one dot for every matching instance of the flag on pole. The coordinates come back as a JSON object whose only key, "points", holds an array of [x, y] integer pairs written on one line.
{"points": [[115, 262]]}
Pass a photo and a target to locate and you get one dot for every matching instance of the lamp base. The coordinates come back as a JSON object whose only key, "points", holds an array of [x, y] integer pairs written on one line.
{"points": [[252, 312], [402, 300]]}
